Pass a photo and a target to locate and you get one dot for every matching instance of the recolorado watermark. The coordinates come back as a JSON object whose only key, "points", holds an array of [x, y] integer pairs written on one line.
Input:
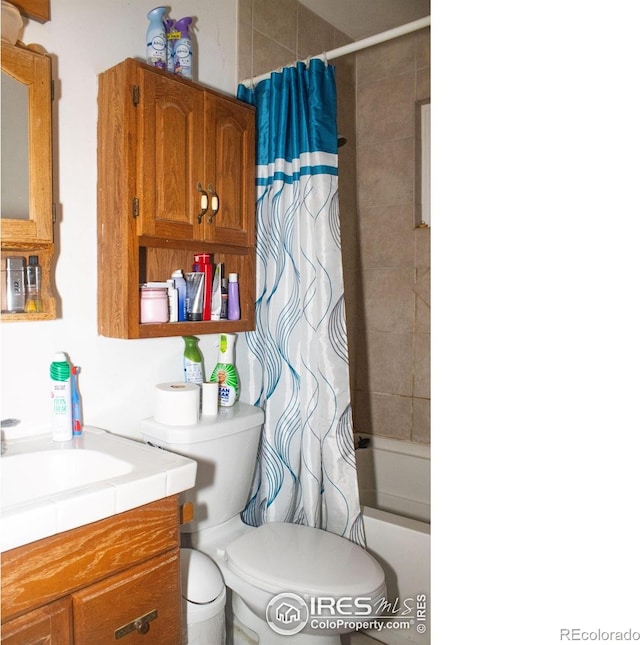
{"points": [[595, 635], [288, 614]]}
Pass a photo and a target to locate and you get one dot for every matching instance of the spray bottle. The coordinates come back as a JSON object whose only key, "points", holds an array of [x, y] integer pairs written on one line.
{"points": [[225, 372], [157, 39], [192, 360], [172, 37], [183, 49]]}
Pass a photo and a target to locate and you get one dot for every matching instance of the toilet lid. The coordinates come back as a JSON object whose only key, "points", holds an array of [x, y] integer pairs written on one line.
{"points": [[290, 557]]}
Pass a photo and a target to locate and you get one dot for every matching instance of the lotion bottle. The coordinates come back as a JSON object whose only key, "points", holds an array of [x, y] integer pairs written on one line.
{"points": [[233, 307]]}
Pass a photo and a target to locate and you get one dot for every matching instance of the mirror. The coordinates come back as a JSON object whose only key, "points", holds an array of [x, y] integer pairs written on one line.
{"points": [[15, 149], [27, 184]]}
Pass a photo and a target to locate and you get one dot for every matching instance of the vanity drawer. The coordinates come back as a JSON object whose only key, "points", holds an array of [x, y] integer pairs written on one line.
{"points": [[137, 606]]}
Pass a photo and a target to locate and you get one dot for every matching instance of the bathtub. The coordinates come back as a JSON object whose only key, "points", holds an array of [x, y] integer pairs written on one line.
{"points": [[394, 482]]}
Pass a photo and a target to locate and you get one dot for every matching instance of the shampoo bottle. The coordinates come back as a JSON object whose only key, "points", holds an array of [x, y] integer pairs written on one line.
{"points": [[181, 285], [225, 372], [34, 277], [157, 39], [192, 360], [183, 49], [60, 373]]}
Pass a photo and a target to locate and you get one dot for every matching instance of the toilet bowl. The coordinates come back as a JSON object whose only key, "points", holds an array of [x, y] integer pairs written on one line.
{"points": [[285, 580]]}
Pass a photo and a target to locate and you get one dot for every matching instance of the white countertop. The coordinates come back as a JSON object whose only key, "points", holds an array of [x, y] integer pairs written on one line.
{"points": [[49, 487]]}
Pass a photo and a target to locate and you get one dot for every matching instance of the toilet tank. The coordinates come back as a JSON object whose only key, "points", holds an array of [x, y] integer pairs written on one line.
{"points": [[225, 447]]}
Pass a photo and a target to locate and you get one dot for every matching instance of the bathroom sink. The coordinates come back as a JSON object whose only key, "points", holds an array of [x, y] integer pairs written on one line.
{"points": [[33, 475], [49, 487]]}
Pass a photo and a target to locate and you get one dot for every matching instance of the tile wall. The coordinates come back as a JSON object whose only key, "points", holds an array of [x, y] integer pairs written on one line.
{"points": [[386, 259]]}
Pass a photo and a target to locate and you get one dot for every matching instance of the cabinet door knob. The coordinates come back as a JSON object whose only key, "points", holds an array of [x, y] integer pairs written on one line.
{"points": [[204, 202], [215, 203]]}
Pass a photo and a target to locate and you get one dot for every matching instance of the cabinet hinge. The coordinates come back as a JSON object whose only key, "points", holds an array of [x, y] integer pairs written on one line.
{"points": [[136, 207], [53, 91], [53, 212], [135, 94]]}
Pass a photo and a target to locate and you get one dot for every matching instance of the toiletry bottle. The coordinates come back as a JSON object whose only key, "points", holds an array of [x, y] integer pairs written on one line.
{"points": [[157, 39], [76, 406], [172, 295], [183, 49], [225, 372], [60, 373], [181, 285], [216, 293], [192, 360], [202, 264], [33, 303], [13, 290], [224, 297], [233, 308]]}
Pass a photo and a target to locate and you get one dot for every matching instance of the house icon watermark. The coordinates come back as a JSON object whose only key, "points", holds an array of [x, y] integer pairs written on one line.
{"points": [[287, 614]]}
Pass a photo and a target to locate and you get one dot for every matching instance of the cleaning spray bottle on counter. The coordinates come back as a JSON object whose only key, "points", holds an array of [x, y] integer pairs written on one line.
{"points": [[60, 373], [192, 361], [183, 52], [157, 38], [225, 372]]}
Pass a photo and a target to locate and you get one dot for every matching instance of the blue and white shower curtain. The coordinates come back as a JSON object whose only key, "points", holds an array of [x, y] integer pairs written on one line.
{"points": [[299, 371]]}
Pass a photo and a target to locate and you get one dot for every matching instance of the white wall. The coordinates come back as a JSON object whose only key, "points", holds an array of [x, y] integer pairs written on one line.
{"points": [[118, 376]]}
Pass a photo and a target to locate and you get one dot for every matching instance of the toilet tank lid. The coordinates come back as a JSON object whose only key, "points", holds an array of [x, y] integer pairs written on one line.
{"points": [[202, 581], [237, 418]]}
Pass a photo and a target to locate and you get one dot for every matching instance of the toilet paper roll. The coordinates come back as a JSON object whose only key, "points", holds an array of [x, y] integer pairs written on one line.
{"points": [[177, 404], [209, 398]]}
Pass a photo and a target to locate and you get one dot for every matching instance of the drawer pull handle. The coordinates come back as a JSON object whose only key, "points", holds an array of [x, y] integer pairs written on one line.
{"points": [[214, 203], [140, 625], [204, 202]]}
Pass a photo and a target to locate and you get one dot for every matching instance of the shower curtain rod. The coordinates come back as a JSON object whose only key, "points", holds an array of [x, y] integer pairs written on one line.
{"points": [[357, 45]]}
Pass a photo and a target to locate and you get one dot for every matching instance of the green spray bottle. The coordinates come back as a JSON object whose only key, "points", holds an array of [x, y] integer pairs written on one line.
{"points": [[192, 361], [225, 372]]}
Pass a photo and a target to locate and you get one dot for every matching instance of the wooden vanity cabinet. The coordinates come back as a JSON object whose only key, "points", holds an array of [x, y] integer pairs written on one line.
{"points": [[113, 580], [176, 176]]}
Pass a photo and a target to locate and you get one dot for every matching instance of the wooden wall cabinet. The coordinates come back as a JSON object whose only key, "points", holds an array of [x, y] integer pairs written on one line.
{"points": [[32, 233], [113, 580], [176, 176]]}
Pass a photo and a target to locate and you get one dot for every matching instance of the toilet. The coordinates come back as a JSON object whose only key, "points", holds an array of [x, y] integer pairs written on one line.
{"points": [[286, 582]]}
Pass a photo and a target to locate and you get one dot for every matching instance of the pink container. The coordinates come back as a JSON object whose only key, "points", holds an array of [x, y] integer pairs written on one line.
{"points": [[154, 305]]}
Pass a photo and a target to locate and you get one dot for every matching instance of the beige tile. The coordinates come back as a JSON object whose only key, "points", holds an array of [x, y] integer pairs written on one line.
{"points": [[423, 48], [386, 109], [388, 299], [423, 84], [386, 235], [390, 416], [277, 21], [245, 39], [341, 39], [421, 361], [269, 55], [245, 11], [423, 247], [385, 363], [388, 59], [421, 423], [315, 35], [386, 173]]}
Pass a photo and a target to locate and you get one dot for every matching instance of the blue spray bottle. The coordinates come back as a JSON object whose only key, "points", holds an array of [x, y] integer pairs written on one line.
{"points": [[157, 39], [184, 50]]}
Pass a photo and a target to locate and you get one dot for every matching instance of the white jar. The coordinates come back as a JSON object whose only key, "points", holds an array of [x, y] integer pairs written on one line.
{"points": [[154, 305]]}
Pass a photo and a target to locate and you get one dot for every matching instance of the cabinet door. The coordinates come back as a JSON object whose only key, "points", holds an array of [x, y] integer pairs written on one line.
{"points": [[233, 145], [49, 625], [140, 606], [170, 160]]}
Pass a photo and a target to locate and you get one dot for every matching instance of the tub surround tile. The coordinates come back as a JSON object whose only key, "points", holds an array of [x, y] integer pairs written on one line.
{"points": [[269, 55], [315, 35], [385, 415], [421, 422], [386, 60], [385, 235], [277, 21], [421, 362]]}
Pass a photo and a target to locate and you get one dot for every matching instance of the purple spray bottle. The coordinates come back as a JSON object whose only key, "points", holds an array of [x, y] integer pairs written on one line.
{"points": [[183, 49]]}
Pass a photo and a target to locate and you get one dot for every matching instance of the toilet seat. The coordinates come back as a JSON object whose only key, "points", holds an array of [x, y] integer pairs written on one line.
{"points": [[279, 557]]}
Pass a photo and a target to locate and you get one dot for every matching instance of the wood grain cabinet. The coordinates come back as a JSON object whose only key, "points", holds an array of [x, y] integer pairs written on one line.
{"points": [[116, 580], [28, 217], [176, 176]]}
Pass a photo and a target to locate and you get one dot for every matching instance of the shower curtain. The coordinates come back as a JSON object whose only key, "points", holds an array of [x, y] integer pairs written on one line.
{"points": [[299, 373]]}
